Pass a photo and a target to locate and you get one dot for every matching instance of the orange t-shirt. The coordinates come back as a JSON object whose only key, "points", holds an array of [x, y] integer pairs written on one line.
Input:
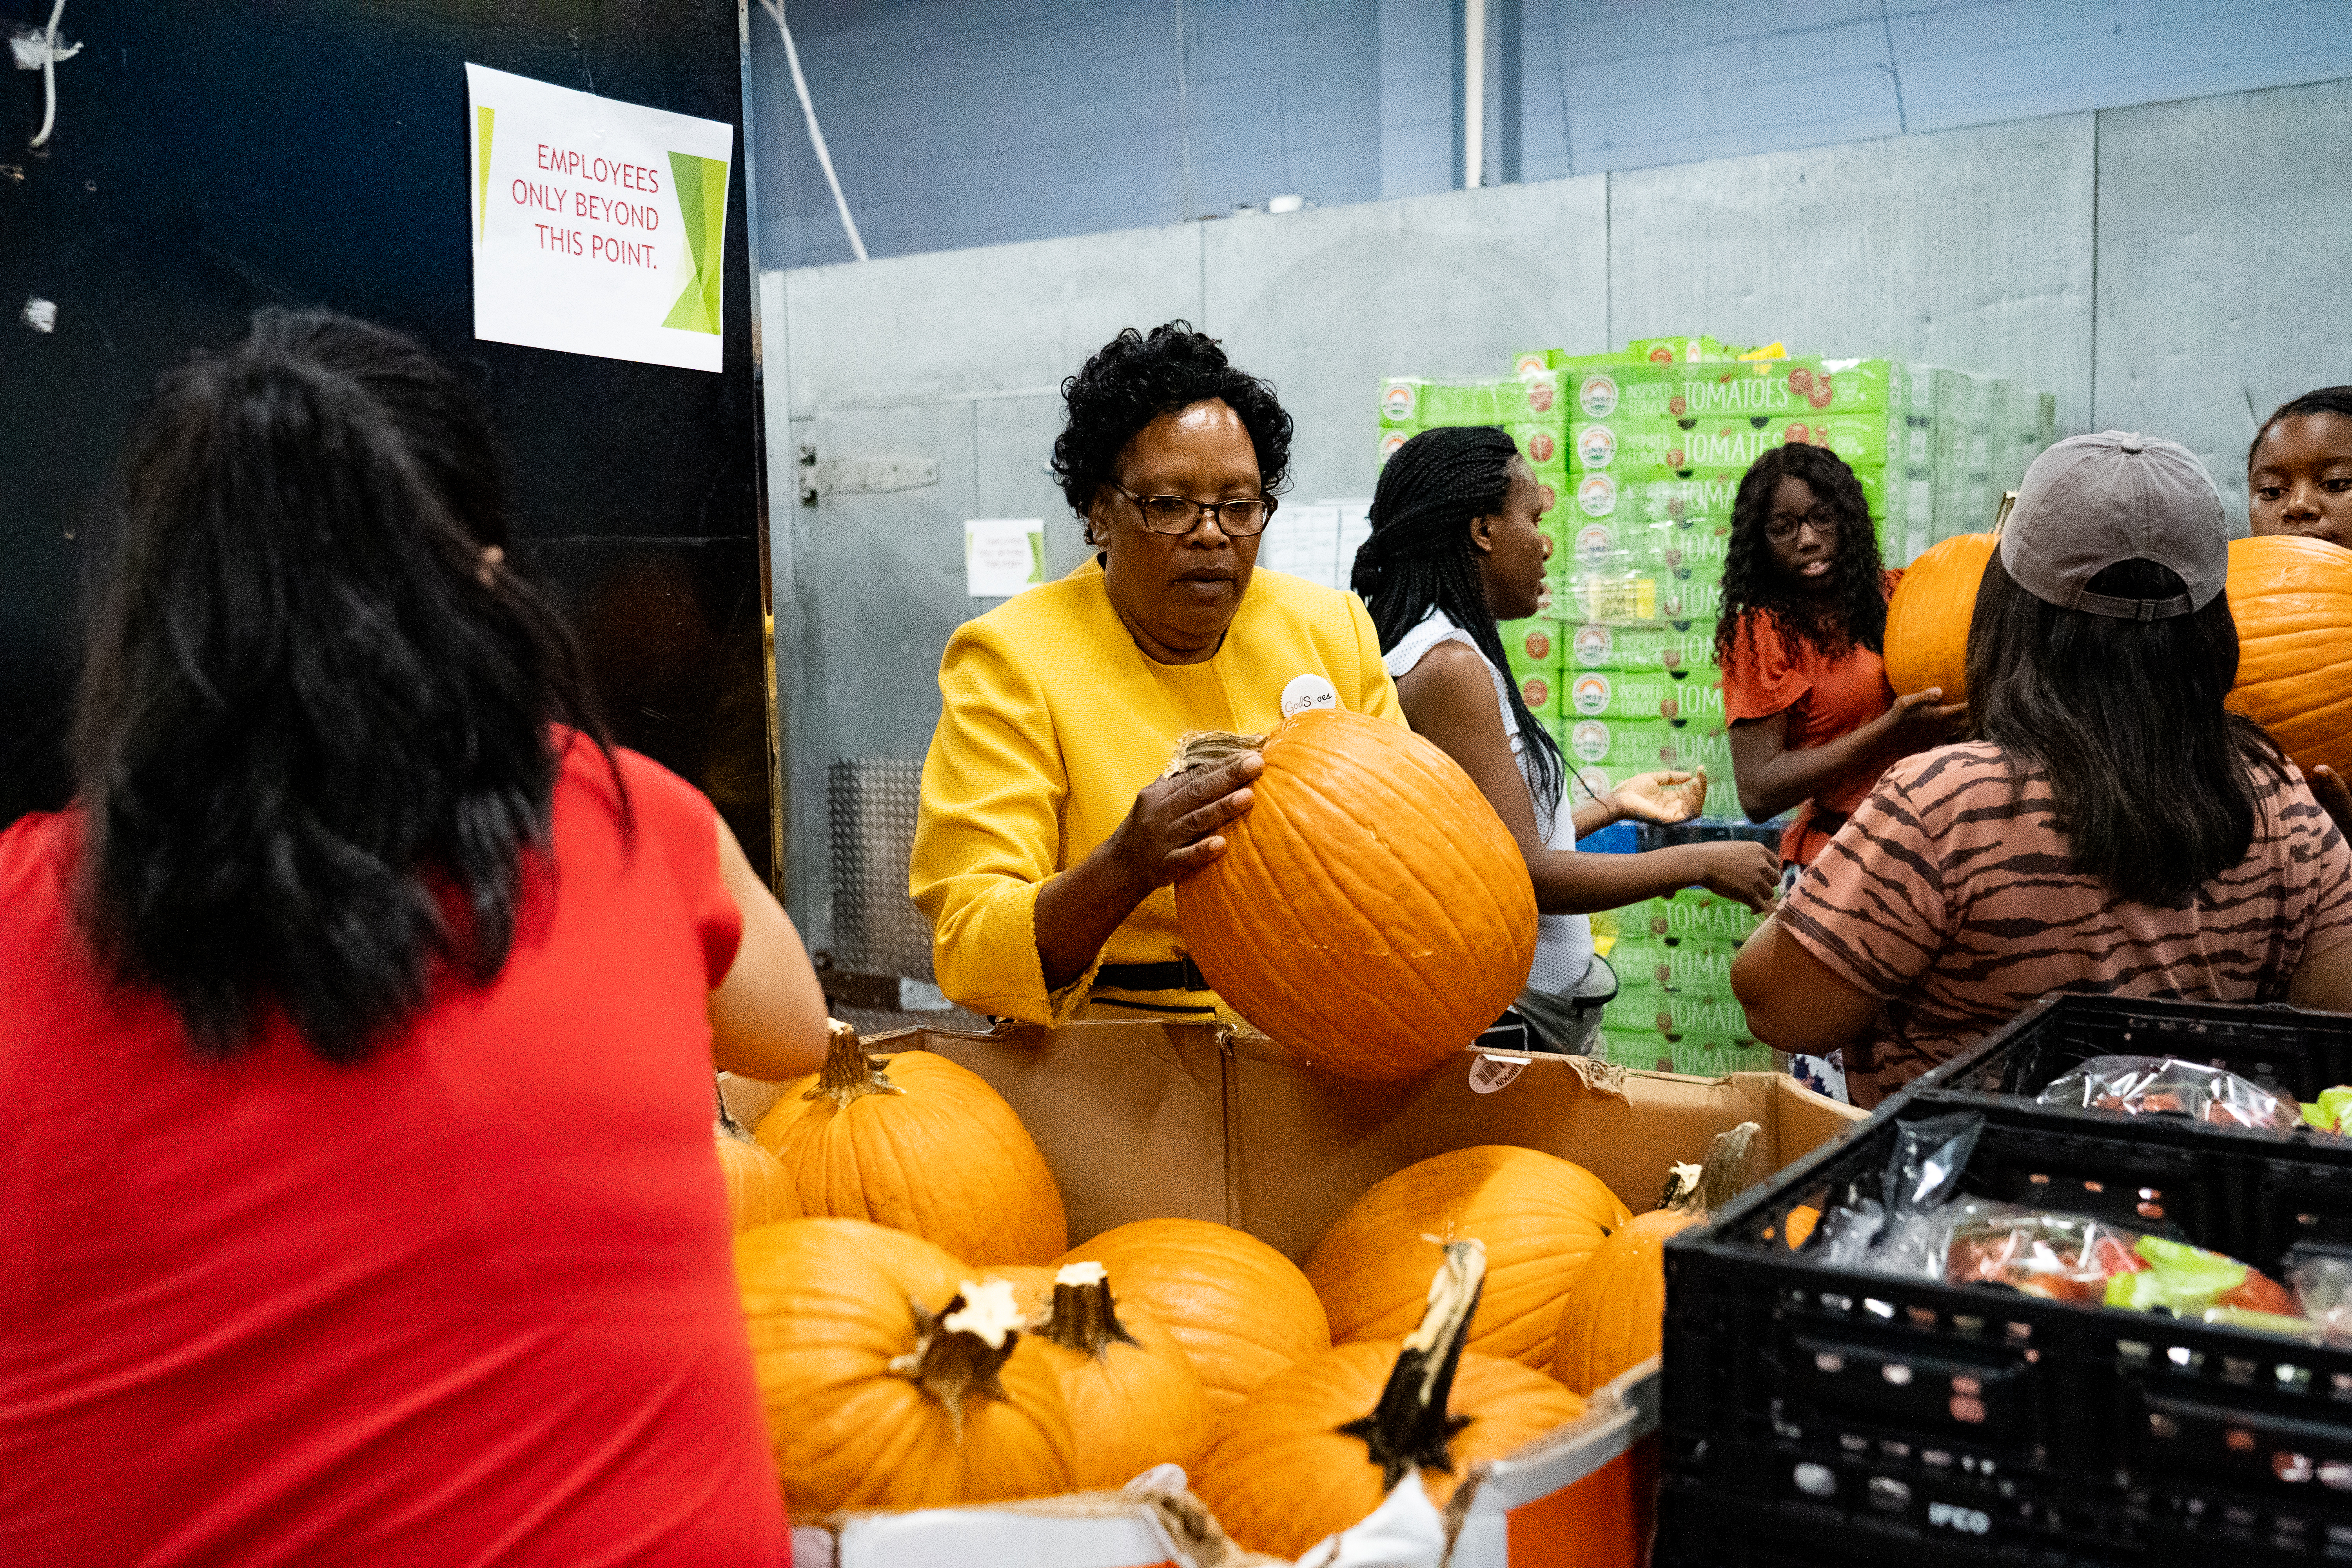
{"points": [[1765, 673]]}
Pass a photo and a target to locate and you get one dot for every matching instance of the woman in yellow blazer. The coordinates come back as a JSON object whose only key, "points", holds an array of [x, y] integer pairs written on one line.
{"points": [[1049, 836]]}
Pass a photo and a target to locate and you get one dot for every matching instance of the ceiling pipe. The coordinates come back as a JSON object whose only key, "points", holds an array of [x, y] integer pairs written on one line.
{"points": [[1474, 93]]}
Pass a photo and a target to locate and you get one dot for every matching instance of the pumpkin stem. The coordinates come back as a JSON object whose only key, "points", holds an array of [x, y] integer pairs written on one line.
{"points": [[1409, 1426], [1082, 1316], [1724, 1172], [957, 1353], [1207, 748], [849, 1074]]}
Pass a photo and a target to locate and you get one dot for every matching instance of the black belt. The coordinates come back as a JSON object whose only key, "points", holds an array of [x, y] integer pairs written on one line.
{"points": [[1176, 974]]}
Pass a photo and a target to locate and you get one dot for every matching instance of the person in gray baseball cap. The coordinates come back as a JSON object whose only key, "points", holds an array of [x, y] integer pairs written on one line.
{"points": [[2111, 828]]}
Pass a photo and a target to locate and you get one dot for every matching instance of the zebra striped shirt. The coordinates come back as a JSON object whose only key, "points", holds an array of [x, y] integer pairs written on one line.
{"points": [[1949, 892]]}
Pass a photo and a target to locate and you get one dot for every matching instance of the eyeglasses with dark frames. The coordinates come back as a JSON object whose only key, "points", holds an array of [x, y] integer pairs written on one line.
{"points": [[1181, 515], [1782, 526]]}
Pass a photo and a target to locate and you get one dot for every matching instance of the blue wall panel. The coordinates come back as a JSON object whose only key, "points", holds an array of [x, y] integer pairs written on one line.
{"points": [[988, 121]]}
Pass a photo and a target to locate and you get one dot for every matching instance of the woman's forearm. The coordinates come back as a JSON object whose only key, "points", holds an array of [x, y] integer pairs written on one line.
{"points": [[1568, 883], [1078, 909], [1790, 778], [1592, 816]]}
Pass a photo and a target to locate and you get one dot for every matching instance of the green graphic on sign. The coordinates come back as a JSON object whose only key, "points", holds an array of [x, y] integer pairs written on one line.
{"points": [[483, 115], [702, 201]]}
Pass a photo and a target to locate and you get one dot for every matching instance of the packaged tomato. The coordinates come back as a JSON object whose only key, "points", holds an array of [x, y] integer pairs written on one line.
{"points": [[2167, 1086]]}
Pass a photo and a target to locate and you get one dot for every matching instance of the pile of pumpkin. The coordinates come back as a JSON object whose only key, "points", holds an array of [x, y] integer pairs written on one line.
{"points": [[2291, 597], [922, 1338]]}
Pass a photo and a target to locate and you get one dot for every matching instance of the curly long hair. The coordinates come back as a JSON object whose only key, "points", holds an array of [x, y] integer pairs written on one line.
{"points": [[313, 700], [1852, 614], [1134, 379], [1418, 558]]}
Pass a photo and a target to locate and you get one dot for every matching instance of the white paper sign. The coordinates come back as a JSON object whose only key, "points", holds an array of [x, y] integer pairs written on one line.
{"points": [[598, 227], [1303, 541], [1003, 556]]}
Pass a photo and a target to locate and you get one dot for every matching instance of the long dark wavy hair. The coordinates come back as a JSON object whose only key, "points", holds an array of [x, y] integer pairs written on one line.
{"points": [[1852, 614], [2154, 780], [2325, 400], [1134, 379], [1419, 557], [313, 737]]}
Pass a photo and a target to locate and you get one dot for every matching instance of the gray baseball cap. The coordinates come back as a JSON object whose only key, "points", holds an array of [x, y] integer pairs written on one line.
{"points": [[2092, 501]]}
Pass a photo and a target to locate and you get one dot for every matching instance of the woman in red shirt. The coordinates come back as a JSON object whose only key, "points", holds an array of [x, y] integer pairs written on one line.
{"points": [[1814, 722], [356, 1030]]}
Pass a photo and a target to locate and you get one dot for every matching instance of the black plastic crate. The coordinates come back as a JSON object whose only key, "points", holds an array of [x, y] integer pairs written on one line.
{"points": [[2282, 1049], [2270, 1205], [1981, 1425]]}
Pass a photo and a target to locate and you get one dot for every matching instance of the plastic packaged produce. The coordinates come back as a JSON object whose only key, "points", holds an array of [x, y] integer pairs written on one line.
{"points": [[2167, 1086]]}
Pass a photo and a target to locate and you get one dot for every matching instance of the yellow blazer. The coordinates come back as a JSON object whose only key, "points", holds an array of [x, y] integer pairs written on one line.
{"points": [[1052, 720]]}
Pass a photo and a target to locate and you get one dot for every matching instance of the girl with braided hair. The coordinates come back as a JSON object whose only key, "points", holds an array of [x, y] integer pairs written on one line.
{"points": [[1814, 722], [1453, 548]]}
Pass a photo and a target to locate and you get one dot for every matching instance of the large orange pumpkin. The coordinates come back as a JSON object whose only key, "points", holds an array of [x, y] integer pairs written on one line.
{"points": [[2292, 598], [891, 1376], [1927, 619], [1539, 1217], [1615, 1314], [1242, 1311], [756, 1189], [919, 1144], [1135, 1401], [1317, 1447], [1370, 910]]}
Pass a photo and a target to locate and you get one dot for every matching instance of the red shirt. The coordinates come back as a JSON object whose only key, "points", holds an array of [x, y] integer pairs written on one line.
{"points": [[1765, 673], [470, 1302]]}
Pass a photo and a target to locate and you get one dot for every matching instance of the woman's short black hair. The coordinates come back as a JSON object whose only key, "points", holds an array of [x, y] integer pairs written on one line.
{"points": [[1854, 612], [312, 739], [2153, 782], [2325, 400], [1134, 379]]}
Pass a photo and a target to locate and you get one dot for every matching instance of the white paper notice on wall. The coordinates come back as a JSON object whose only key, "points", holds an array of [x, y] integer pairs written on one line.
{"points": [[1303, 541], [600, 227], [1003, 556]]}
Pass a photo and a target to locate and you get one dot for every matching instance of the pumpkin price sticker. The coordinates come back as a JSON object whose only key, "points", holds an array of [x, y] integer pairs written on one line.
{"points": [[1489, 1073]]}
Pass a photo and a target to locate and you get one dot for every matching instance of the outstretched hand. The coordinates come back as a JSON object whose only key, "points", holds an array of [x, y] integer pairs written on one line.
{"points": [[1667, 798]]}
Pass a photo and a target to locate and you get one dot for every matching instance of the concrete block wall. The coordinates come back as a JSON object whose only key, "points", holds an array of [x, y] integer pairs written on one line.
{"points": [[2175, 268]]}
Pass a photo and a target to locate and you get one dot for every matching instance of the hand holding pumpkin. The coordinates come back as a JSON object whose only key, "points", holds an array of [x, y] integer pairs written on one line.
{"points": [[1661, 797], [1919, 719], [2328, 788], [1172, 827]]}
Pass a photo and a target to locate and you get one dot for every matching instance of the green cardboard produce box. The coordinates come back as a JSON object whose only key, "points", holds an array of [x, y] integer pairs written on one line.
{"points": [[1689, 651], [1790, 388], [1864, 440], [1654, 694], [1647, 1051]]}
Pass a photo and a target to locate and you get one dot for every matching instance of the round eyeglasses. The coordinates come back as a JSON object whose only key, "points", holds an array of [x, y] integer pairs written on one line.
{"points": [[1181, 515]]}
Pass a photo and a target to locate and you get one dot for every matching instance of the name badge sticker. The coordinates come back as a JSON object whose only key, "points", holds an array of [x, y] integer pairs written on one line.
{"points": [[1307, 692]]}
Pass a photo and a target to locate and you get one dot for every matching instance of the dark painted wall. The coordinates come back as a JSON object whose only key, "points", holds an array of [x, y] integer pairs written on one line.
{"points": [[211, 159]]}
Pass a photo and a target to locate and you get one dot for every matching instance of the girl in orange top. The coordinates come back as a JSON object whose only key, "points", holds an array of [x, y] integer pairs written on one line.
{"points": [[1814, 722]]}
